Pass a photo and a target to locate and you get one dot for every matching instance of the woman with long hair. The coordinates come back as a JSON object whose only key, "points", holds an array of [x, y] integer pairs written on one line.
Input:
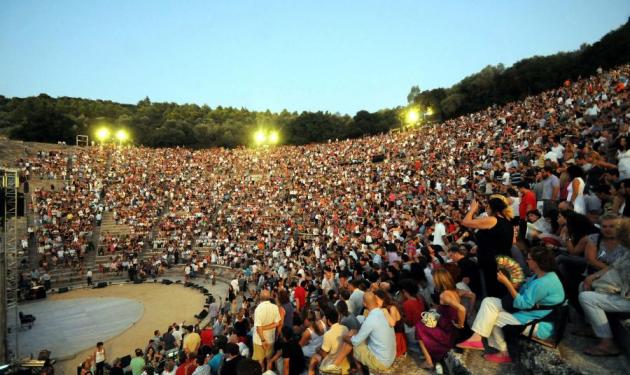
{"points": [[495, 235], [436, 341], [394, 318], [571, 265], [284, 301]]}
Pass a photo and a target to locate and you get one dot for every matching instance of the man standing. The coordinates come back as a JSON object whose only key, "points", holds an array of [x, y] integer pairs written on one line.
{"points": [[192, 341], [266, 320], [168, 339], [299, 293], [234, 284], [89, 278], [550, 190], [439, 231], [328, 283]]}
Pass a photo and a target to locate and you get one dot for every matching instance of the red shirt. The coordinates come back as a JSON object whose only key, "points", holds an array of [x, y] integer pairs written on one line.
{"points": [[412, 309], [528, 202], [187, 368], [300, 295], [207, 337]]}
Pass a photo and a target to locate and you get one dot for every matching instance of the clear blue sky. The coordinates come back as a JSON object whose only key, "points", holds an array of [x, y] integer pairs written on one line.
{"points": [[334, 55]]}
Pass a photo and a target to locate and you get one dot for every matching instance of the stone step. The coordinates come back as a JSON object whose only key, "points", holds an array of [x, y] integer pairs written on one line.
{"points": [[45, 184], [531, 357]]}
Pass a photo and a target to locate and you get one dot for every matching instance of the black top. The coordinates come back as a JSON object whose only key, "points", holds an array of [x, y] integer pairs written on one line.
{"points": [[169, 341], [495, 241], [241, 328], [469, 269], [229, 365], [293, 351]]}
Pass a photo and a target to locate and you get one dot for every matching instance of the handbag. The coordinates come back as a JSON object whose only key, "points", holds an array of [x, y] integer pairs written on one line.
{"points": [[430, 318]]}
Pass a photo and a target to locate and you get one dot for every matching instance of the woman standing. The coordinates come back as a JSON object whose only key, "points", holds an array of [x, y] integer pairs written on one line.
{"points": [[99, 358], [494, 237], [285, 302]]}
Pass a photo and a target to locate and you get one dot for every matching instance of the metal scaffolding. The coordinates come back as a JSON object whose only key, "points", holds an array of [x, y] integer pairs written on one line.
{"points": [[9, 266]]}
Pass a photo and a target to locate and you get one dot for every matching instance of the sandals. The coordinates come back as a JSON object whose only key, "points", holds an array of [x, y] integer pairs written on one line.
{"points": [[599, 352], [498, 358], [473, 345]]}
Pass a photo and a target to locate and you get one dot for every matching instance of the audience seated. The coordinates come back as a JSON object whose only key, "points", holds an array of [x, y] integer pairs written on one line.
{"points": [[313, 230]]}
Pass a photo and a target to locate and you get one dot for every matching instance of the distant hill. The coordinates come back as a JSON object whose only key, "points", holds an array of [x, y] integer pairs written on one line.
{"points": [[500, 85]]}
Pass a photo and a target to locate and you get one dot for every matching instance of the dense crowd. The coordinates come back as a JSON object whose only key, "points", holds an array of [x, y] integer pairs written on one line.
{"points": [[354, 252]]}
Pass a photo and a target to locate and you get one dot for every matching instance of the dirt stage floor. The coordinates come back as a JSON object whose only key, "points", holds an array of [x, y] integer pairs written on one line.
{"points": [[163, 305]]}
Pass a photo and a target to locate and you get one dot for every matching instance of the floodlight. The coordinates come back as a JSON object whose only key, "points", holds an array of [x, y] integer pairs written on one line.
{"points": [[412, 116], [274, 137], [429, 111], [122, 135], [102, 134], [260, 137]]}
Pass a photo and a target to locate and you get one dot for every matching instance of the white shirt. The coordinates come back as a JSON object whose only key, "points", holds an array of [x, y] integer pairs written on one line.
{"points": [[551, 156], [266, 313], [624, 164], [234, 284], [438, 232], [505, 179]]}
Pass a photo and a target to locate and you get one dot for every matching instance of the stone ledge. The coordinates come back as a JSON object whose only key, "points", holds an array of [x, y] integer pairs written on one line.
{"points": [[620, 325], [455, 364], [534, 358]]}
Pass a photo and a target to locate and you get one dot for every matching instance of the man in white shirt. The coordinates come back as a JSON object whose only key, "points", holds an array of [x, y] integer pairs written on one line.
{"points": [[439, 231], [234, 284], [266, 320]]}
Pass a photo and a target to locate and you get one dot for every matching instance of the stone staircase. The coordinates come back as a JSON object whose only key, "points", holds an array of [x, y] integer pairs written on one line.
{"points": [[43, 184], [108, 227], [33, 256]]}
